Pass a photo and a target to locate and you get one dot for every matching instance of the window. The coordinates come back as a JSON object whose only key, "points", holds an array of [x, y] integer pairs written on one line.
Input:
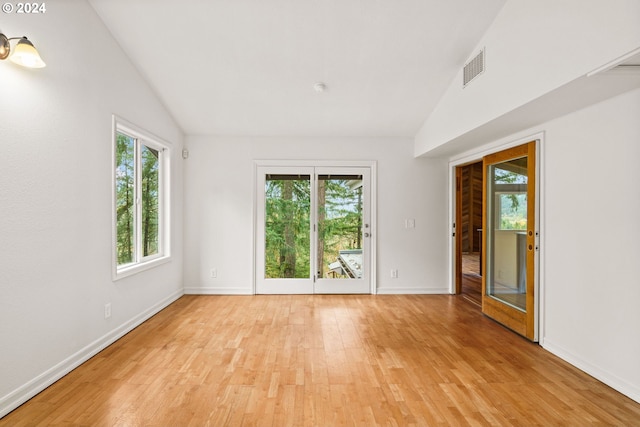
{"points": [[140, 200]]}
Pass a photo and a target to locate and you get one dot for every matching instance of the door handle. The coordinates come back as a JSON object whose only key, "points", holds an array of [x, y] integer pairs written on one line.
{"points": [[367, 235]]}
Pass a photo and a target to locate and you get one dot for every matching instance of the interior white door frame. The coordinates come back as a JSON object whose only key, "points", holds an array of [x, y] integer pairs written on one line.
{"points": [[371, 164]]}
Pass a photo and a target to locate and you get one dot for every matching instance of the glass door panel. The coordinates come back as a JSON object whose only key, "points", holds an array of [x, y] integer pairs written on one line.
{"points": [[339, 239], [507, 212], [509, 239], [284, 263], [287, 217], [343, 230]]}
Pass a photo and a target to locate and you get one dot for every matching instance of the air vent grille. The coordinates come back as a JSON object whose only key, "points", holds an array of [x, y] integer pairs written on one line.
{"points": [[473, 68]]}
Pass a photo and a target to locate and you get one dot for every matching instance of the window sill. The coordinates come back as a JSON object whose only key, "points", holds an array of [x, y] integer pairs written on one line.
{"points": [[130, 270]]}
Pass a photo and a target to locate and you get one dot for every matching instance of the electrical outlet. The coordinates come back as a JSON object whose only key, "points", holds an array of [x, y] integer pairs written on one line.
{"points": [[214, 273], [394, 273], [107, 310]]}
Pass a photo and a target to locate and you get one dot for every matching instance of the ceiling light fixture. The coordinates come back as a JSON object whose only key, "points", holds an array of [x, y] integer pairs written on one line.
{"points": [[24, 54]]}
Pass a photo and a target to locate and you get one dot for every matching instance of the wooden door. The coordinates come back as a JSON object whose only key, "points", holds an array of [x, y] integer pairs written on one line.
{"points": [[509, 239]]}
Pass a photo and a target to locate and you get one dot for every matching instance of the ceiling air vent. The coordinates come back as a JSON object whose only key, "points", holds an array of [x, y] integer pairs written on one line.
{"points": [[473, 68]]}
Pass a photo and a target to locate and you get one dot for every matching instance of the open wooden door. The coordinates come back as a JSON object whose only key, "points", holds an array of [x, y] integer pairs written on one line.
{"points": [[509, 239]]}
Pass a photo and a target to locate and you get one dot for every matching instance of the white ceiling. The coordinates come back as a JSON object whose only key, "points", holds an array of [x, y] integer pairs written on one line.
{"points": [[248, 67]]}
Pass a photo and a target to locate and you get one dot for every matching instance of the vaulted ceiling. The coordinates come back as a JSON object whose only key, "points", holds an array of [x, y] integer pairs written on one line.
{"points": [[248, 67]]}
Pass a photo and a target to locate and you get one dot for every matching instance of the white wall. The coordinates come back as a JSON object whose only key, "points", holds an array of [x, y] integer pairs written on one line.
{"points": [[532, 49], [55, 199], [219, 197], [591, 251], [589, 243]]}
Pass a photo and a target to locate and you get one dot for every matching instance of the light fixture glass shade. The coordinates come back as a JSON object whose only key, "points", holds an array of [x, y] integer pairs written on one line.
{"points": [[26, 55], [5, 48]]}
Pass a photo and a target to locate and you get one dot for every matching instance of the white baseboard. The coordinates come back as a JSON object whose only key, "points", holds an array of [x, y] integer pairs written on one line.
{"points": [[199, 290], [217, 291], [630, 390], [19, 396], [413, 291]]}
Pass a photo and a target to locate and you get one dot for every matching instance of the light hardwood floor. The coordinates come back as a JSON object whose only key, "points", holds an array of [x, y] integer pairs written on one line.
{"points": [[471, 286], [325, 361]]}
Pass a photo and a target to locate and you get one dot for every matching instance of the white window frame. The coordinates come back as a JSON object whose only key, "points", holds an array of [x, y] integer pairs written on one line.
{"points": [[145, 138]]}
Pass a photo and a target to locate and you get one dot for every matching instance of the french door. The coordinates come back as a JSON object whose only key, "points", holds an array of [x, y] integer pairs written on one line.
{"points": [[510, 239], [313, 230]]}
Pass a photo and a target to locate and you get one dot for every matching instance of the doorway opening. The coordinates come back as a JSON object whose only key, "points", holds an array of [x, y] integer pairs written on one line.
{"points": [[469, 232], [496, 236]]}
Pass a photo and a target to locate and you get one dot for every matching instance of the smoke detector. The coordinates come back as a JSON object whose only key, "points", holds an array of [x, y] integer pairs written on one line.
{"points": [[320, 87]]}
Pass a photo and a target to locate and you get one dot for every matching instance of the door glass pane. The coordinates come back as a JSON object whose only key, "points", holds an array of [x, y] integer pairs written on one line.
{"points": [[150, 200], [287, 226], [506, 238], [339, 251], [125, 208]]}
